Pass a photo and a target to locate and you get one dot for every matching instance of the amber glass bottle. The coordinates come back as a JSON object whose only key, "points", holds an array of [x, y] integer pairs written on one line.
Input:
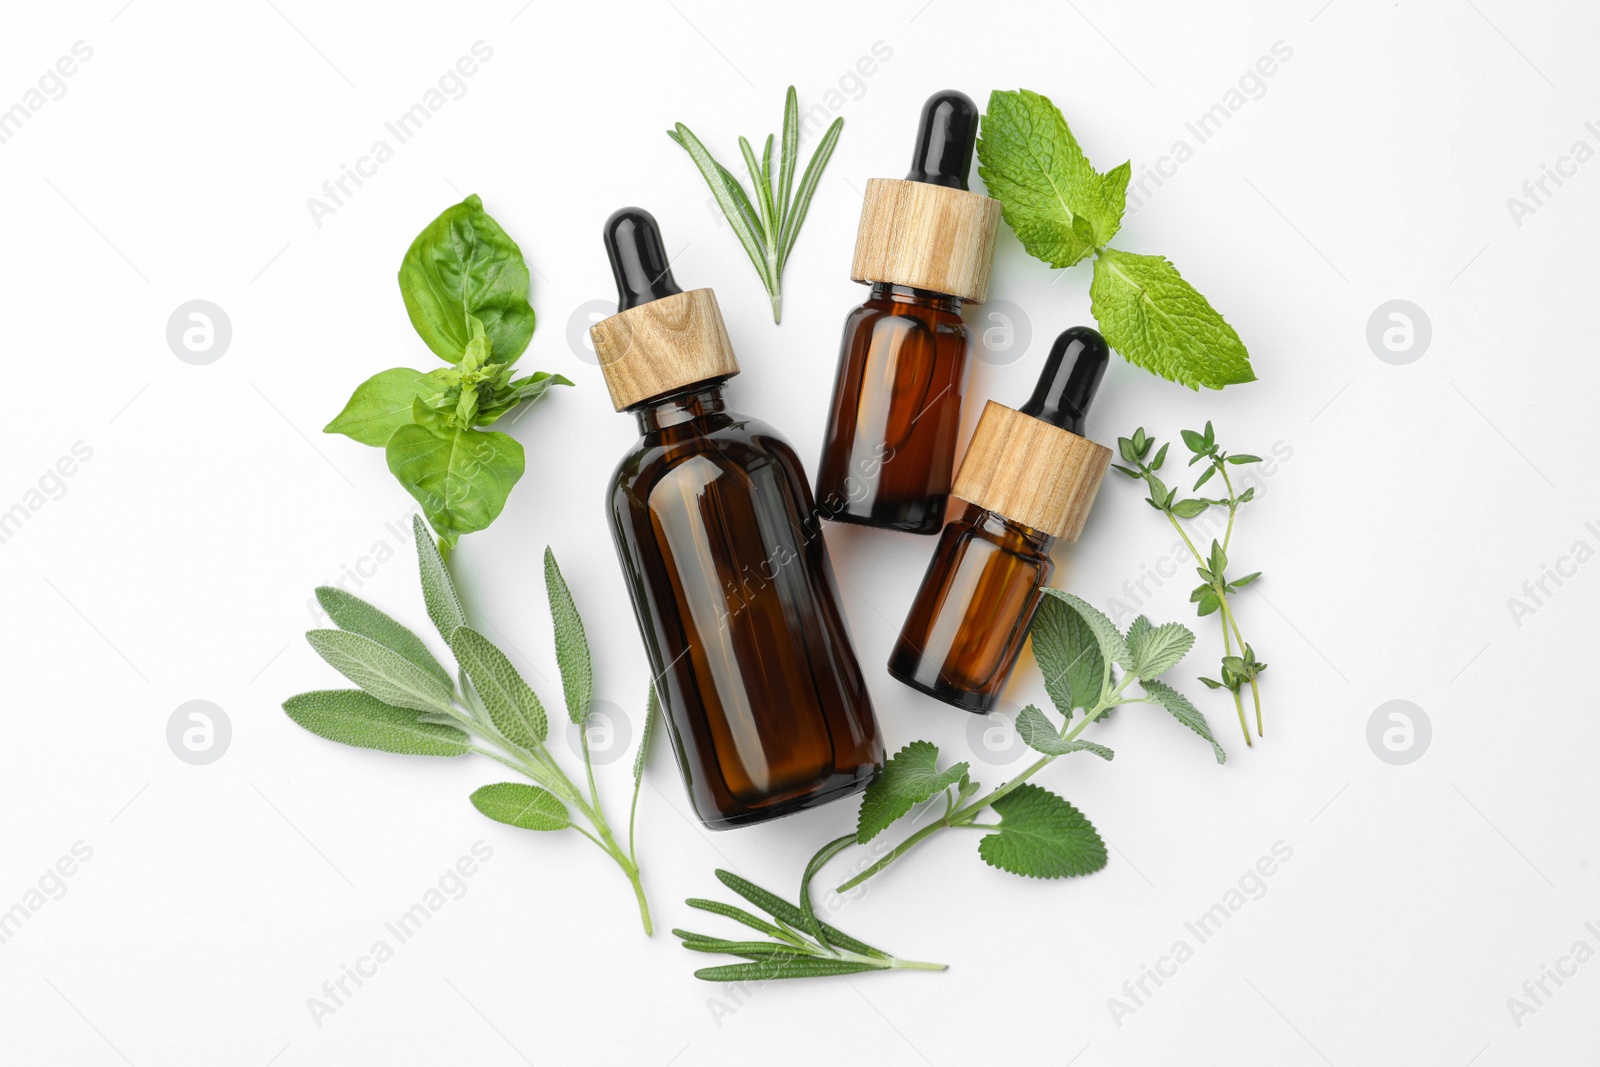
{"points": [[716, 530], [925, 245], [1031, 478]]}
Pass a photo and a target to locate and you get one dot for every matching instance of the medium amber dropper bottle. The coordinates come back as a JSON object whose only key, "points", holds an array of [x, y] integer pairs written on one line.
{"points": [[716, 530], [925, 245], [1031, 477]]}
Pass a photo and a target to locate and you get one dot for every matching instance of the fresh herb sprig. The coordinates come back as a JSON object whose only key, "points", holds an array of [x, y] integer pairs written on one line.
{"points": [[1062, 210], [1240, 667], [410, 703], [798, 944], [767, 228], [465, 287]]}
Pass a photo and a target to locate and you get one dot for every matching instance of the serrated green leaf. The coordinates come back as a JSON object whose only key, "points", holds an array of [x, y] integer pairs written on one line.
{"points": [[387, 675], [1069, 656], [909, 777], [1156, 650], [512, 704], [1041, 835], [1185, 712], [438, 589], [1053, 199], [1159, 322], [521, 805], [572, 646], [350, 612], [1112, 646], [352, 717], [652, 712], [1038, 734]]}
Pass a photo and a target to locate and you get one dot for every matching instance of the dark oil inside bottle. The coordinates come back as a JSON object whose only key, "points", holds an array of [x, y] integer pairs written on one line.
{"points": [[735, 597], [972, 612], [896, 412]]}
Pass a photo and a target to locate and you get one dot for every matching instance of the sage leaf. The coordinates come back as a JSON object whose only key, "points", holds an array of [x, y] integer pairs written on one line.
{"points": [[352, 717], [349, 612], [572, 647], [385, 674], [1041, 835], [1069, 656], [909, 777], [1156, 650], [460, 478], [513, 706], [1112, 645], [463, 265], [382, 404], [1159, 322], [1185, 712], [438, 588], [1037, 733], [522, 805]]}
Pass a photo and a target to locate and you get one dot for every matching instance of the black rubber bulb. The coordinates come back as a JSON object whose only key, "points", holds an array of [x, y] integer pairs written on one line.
{"points": [[945, 136], [1071, 374], [638, 258]]}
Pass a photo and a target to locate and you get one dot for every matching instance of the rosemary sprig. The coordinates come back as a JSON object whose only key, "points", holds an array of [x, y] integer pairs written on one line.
{"points": [[1239, 664], [798, 944], [767, 229]]}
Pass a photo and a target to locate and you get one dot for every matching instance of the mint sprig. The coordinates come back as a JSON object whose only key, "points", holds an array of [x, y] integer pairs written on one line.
{"points": [[1063, 210], [409, 703]]}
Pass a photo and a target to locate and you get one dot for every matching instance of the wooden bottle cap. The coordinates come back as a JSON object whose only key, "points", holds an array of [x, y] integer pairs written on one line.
{"points": [[926, 236], [1031, 472], [662, 346]]}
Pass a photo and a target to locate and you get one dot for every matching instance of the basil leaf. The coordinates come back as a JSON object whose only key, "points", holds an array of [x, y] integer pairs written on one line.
{"points": [[463, 265], [461, 479], [381, 405]]}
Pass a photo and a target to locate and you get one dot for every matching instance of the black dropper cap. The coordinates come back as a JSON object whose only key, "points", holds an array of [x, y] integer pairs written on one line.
{"points": [[638, 258], [1071, 374], [945, 136]]}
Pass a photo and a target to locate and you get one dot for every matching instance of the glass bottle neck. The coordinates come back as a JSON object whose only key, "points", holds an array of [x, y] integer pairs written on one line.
{"points": [[905, 294], [1008, 532], [686, 405]]}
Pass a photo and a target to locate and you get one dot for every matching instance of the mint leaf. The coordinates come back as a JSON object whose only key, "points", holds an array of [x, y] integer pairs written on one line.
{"points": [[350, 612], [910, 777], [526, 806], [1069, 656], [381, 405], [572, 647], [1060, 208], [512, 705], [1038, 734], [1112, 646], [1159, 322], [1040, 835], [1156, 650], [1184, 712], [461, 478], [438, 590], [387, 675], [464, 266], [352, 717]]}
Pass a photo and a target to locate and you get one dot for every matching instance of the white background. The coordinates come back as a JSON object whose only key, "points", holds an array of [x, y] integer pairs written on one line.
{"points": [[177, 565]]}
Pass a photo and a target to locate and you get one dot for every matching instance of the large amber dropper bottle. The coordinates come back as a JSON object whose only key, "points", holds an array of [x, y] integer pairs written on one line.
{"points": [[925, 245], [716, 530], [1031, 477]]}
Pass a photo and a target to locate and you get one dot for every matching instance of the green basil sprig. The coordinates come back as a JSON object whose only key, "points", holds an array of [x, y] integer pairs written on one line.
{"points": [[465, 287]]}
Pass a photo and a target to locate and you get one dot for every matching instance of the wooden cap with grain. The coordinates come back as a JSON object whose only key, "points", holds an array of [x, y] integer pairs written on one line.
{"points": [[1031, 472], [662, 346], [926, 236]]}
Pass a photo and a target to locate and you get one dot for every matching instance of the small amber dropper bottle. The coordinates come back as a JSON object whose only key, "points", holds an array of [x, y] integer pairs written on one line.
{"points": [[1030, 477], [925, 245], [716, 530]]}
